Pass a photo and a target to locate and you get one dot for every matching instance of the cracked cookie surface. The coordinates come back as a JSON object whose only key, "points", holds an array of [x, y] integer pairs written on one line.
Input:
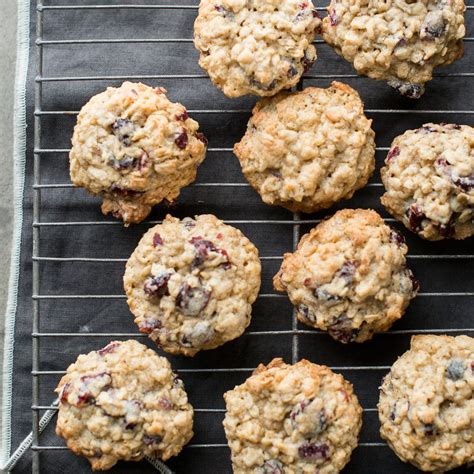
{"points": [[398, 41], [123, 402], [307, 150], [135, 148], [426, 406], [255, 47], [292, 419], [348, 276], [191, 283], [429, 181]]}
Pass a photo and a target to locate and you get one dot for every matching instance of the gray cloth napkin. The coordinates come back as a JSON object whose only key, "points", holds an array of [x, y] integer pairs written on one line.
{"points": [[205, 389]]}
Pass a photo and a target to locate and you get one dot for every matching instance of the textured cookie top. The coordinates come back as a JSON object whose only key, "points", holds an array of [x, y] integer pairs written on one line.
{"points": [[348, 276], [399, 41], [191, 283], [426, 406], [123, 402], [135, 148], [300, 418], [257, 47], [429, 181], [306, 150]]}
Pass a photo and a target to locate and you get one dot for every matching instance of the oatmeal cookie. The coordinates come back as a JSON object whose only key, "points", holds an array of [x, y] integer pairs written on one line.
{"points": [[307, 150], [426, 406], [135, 148], [191, 283], [123, 402], [258, 47], [292, 419], [397, 41], [348, 276], [429, 181]]}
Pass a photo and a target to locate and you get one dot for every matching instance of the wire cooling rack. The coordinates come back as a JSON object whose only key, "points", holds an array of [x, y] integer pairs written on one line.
{"points": [[445, 269]]}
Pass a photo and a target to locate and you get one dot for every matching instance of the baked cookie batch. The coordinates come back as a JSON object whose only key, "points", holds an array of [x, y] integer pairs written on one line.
{"points": [[191, 283]]}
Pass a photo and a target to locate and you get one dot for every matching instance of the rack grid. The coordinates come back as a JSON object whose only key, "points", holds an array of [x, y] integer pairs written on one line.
{"points": [[295, 223]]}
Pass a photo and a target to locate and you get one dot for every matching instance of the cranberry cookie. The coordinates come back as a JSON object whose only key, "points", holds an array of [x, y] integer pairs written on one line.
{"points": [[258, 47], [123, 402], [307, 150], [348, 276], [300, 418], [429, 181], [135, 148], [400, 42], [191, 283], [426, 406]]}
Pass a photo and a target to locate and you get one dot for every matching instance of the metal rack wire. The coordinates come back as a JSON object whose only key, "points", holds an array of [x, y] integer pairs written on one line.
{"points": [[38, 224]]}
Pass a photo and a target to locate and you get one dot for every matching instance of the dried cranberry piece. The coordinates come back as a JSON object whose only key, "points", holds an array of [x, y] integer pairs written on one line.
{"points": [[392, 154], [402, 43], [149, 325], [123, 129], [182, 140], [225, 12], [157, 285], [319, 419], [108, 348], [406, 89], [275, 172], [65, 393], [306, 63], [449, 229], [313, 451], [466, 183], [165, 404], [125, 163], [415, 218], [200, 136], [430, 429], [306, 313], [333, 18], [434, 25], [85, 396], [191, 301], [273, 466], [455, 369], [143, 161], [199, 334], [157, 240], [415, 283], [151, 440], [325, 296], [183, 117], [397, 237], [292, 71], [203, 247], [259, 85], [347, 271], [342, 331], [345, 395]]}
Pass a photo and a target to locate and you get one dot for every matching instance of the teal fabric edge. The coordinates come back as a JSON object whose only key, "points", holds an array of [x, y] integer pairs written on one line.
{"points": [[19, 159]]}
